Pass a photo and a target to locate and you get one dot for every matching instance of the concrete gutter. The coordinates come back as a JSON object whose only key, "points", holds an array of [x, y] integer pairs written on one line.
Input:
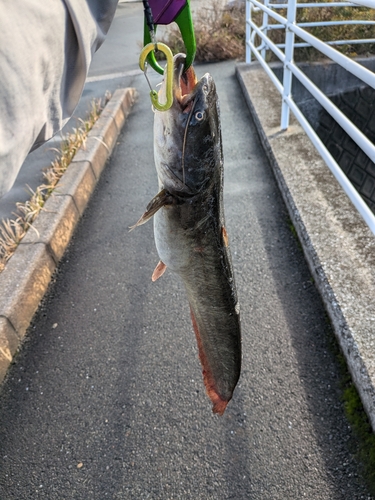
{"points": [[28, 273], [338, 246]]}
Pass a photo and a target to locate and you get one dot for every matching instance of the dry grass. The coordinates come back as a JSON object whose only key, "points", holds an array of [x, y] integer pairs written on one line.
{"points": [[330, 33], [13, 230], [220, 32]]}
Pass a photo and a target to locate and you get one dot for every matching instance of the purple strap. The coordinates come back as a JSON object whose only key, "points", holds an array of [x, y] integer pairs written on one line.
{"points": [[166, 11]]}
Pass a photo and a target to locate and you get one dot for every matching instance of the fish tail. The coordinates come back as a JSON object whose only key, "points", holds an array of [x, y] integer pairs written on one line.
{"points": [[219, 404]]}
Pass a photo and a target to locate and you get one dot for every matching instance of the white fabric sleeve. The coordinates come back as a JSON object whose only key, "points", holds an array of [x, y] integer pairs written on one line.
{"points": [[46, 49]]}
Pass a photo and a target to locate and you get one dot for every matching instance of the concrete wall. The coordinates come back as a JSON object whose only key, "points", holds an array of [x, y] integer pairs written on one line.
{"points": [[358, 105], [357, 101]]}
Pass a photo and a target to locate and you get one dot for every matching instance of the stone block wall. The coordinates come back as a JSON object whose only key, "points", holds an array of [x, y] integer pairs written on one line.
{"points": [[359, 106]]}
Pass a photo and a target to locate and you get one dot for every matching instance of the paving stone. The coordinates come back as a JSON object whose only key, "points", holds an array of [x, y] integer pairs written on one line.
{"points": [[327, 121], [346, 161], [359, 122], [23, 283], [370, 167], [362, 108], [334, 149], [362, 159], [337, 134], [78, 182], [54, 226], [350, 98], [96, 152], [368, 187], [370, 134], [357, 175], [358, 107], [371, 123], [106, 130], [8, 345], [368, 94], [8, 337], [351, 146], [348, 111]]}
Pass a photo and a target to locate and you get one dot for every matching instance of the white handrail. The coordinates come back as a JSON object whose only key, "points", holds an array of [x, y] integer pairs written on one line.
{"points": [[344, 61], [344, 182], [290, 69], [365, 3], [356, 69]]}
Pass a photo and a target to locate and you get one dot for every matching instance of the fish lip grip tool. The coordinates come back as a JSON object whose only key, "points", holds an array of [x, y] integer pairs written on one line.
{"points": [[165, 12]]}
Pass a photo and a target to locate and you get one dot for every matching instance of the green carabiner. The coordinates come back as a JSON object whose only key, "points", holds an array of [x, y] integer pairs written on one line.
{"points": [[168, 77], [184, 21]]}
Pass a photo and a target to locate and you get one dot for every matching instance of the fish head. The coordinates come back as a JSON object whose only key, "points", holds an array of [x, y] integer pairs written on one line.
{"points": [[188, 151]]}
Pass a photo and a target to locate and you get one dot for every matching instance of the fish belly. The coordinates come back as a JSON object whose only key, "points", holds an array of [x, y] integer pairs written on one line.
{"points": [[202, 260]]}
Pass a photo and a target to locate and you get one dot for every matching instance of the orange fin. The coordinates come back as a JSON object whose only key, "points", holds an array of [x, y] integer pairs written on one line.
{"points": [[219, 404], [159, 270], [225, 236]]}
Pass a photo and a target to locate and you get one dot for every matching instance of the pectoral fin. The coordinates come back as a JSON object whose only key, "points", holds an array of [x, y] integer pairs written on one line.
{"points": [[159, 270], [160, 200]]}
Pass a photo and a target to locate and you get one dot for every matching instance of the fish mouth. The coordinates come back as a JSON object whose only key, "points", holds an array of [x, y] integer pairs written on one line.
{"points": [[185, 84]]}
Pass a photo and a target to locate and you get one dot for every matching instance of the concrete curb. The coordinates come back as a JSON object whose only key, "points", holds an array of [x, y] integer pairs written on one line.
{"points": [[338, 246], [27, 275]]}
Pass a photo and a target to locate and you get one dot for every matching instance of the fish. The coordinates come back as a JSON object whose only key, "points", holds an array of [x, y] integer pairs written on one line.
{"points": [[189, 226]]}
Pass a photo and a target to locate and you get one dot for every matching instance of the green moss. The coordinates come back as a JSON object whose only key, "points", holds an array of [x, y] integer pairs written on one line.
{"points": [[363, 443], [293, 230], [359, 422]]}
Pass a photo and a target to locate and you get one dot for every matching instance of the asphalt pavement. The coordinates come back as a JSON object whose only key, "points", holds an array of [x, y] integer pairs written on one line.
{"points": [[106, 399]]}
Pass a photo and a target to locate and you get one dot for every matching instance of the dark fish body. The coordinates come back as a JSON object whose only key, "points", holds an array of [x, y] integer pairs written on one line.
{"points": [[189, 227]]}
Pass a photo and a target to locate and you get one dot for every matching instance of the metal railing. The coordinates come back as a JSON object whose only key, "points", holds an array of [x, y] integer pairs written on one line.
{"points": [[290, 70]]}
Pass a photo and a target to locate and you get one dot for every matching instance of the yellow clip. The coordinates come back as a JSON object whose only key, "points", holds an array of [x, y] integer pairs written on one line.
{"points": [[168, 74]]}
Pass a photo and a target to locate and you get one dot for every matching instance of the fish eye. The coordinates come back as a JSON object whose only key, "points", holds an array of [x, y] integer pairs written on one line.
{"points": [[199, 115], [205, 89]]}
